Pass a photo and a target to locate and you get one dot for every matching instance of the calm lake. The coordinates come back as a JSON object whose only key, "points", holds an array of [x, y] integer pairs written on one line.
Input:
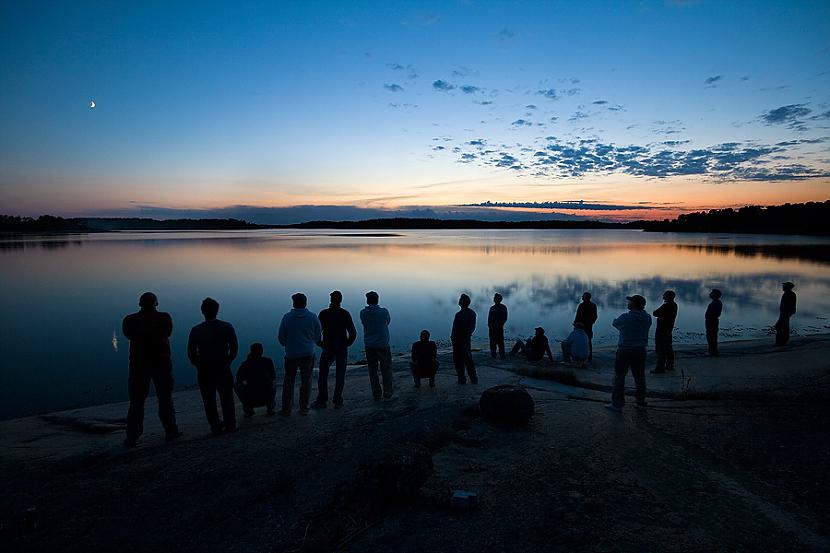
{"points": [[63, 298]]}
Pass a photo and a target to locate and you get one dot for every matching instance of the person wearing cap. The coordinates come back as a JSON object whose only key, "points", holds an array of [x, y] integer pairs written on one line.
{"points": [[211, 348], [149, 332], [535, 347], [666, 314], [575, 346], [631, 351], [463, 326], [786, 310], [338, 334], [256, 382], [375, 320], [424, 359], [299, 332], [496, 318], [712, 320], [586, 313]]}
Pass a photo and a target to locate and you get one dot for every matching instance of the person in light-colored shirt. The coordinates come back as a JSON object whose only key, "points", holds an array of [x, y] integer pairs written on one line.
{"points": [[631, 351]]}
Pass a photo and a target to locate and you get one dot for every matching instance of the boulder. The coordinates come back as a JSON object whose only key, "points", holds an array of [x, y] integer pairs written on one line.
{"points": [[507, 404]]}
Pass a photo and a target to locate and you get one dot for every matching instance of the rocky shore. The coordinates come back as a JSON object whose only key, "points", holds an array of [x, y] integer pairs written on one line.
{"points": [[730, 455]]}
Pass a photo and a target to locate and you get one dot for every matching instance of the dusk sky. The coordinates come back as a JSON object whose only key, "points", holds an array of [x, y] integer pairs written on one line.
{"points": [[651, 108]]}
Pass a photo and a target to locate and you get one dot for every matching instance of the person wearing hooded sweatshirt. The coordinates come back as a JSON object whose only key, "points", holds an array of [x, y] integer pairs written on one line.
{"points": [[631, 351], [463, 326], [211, 348], [256, 381], [338, 334], [376, 321], [149, 331], [299, 332]]}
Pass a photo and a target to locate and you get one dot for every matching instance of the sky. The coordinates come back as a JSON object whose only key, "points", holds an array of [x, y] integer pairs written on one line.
{"points": [[287, 111]]}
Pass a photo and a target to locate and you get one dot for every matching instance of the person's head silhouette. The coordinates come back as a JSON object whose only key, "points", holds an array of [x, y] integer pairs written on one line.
{"points": [[336, 297], [715, 294], [497, 298], [424, 335], [256, 351], [299, 301], [148, 300], [586, 296], [372, 298], [464, 300], [210, 308]]}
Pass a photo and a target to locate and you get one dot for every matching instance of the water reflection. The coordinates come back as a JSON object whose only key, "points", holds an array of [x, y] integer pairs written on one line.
{"points": [[74, 291]]}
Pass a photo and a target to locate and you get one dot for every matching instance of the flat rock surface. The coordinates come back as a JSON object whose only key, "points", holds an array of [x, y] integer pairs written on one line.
{"points": [[692, 473]]}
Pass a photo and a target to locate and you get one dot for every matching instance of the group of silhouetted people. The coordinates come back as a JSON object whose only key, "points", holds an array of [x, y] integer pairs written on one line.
{"points": [[212, 347]]}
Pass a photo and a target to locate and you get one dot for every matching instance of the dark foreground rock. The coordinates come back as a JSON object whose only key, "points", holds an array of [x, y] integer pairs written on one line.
{"points": [[507, 404]]}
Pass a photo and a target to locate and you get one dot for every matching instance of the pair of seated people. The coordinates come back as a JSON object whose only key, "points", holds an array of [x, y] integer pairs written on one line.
{"points": [[574, 347]]}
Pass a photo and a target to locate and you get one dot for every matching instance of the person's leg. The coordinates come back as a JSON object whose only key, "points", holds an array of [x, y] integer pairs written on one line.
{"points": [[566, 352], [782, 331], [669, 352], [471, 367], [712, 337], [341, 360], [386, 371], [492, 334], [620, 370], [458, 361], [660, 349], [288, 385], [519, 347], [589, 330], [138, 386], [306, 368], [638, 371], [326, 358], [500, 342], [207, 388], [163, 382], [224, 386], [372, 359], [244, 399]]}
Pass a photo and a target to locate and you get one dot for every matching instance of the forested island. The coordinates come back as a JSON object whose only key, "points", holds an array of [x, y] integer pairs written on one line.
{"points": [[811, 218]]}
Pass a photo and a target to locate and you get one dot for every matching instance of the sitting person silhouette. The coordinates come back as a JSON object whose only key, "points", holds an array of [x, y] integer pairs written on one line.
{"points": [[424, 360], [535, 347], [575, 348], [256, 382]]}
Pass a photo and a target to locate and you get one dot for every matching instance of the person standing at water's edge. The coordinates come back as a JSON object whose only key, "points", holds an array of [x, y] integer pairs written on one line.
{"points": [[786, 310], [299, 332], [666, 315], [149, 332], [211, 348], [586, 313], [338, 334], [712, 320], [375, 320], [496, 318], [631, 352], [463, 326]]}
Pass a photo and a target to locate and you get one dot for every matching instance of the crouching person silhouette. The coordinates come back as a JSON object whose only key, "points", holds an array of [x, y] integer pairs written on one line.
{"points": [[256, 382], [424, 360]]}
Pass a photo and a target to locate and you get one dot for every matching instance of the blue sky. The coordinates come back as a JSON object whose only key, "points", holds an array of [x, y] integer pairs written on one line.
{"points": [[389, 105]]}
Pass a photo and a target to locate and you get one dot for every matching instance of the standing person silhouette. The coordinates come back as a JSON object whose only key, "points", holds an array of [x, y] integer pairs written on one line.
{"points": [[299, 332], [712, 320], [463, 326], [786, 310], [586, 313], [211, 348], [496, 318], [375, 320], [149, 332], [666, 315], [338, 334], [631, 352]]}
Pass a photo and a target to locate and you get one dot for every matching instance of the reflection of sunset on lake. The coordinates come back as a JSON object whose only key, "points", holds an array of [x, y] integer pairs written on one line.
{"points": [[94, 280]]}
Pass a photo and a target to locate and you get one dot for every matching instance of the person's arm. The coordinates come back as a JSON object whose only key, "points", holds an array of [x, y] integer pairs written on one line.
{"points": [[233, 344], [548, 351], [618, 322], [388, 317], [272, 372], [168, 325], [318, 331], [472, 326], [281, 337], [505, 315], [127, 327], [351, 331], [413, 355], [192, 350], [594, 315]]}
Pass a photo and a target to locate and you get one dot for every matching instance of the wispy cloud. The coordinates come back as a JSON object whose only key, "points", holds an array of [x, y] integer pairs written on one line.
{"points": [[469, 89], [393, 87], [507, 34], [710, 81], [791, 115], [599, 102], [442, 86], [521, 123], [549, 93], [577, 205]]}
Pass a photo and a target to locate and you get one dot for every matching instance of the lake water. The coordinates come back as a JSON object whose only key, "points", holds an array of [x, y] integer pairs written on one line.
{"points": [[63, 298]]}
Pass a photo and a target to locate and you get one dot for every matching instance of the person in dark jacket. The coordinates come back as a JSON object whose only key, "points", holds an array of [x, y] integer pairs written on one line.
{"points": [[666, 315], [339, 334], [463, 326], [586, 313], [211, 348], [712, 320], [149, 331], [535, 347], [256, 382], [424, 359], [786, 310], [495, 325]]}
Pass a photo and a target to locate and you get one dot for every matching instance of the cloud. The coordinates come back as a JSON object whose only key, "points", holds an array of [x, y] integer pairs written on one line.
{"points": [[393, 87], [790, 115], [506, 34], [443, 86], [485, 102], [462, 72], [600, 102], [575, 205], [469, 89], [712, 80], [521, 123], [578, 115], [550, 94], [477, 142], [395, 66], [530, 106]]}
